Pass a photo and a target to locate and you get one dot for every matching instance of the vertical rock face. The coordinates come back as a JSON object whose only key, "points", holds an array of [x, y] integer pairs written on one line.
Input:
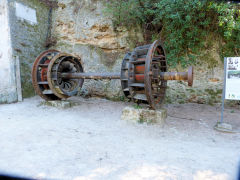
{"points": [[83, 22], [7, 78], [28, 23], [81, 28]]}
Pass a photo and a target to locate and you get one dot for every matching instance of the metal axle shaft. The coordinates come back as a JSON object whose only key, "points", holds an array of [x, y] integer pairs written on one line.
{"points": [[90, 75], [173, 76], [162, 75]]}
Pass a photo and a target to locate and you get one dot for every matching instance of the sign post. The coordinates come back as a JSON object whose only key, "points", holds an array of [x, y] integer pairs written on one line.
{"points": [[231, 88], [224, 89]]}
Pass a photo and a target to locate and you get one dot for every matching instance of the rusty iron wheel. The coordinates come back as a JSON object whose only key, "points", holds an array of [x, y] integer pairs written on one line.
{"points": [[39, 75], [144, 82], [156, 62], [64, 63]]}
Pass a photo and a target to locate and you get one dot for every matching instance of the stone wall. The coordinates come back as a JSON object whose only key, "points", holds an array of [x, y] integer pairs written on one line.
{"points": [[29, 27], [7, 70], [81, 28]]}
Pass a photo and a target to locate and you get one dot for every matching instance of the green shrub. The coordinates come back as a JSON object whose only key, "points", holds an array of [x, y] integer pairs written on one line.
{"points": [[183, 25]]}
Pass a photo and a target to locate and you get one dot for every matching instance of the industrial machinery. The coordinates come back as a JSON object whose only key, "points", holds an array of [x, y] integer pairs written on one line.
{"points": [[143, 75]]}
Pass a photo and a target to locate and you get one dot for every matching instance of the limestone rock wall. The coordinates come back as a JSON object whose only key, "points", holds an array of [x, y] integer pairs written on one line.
{"points": [[81, 28]]}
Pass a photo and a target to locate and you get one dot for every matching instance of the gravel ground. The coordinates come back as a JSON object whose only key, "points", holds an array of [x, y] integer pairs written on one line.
{"points": [[90, 141]]}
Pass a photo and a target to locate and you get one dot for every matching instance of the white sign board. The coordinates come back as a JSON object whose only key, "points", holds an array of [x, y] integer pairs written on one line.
{"points": [[26, 13], [232, 78]]}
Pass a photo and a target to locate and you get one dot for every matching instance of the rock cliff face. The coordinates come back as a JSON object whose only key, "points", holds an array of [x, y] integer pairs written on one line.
{"points": [[82, 28]]}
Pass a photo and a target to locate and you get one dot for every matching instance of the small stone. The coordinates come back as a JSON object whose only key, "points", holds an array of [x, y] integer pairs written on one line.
{"points": [[132, 114]]}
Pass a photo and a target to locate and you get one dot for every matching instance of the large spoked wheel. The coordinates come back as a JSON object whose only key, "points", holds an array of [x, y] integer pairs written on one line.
{"points": [[64, 63], [140, 74], [155, 88], [39, 75]]}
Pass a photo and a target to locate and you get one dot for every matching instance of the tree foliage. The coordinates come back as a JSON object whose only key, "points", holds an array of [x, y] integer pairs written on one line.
{"points": [[183, 25]]}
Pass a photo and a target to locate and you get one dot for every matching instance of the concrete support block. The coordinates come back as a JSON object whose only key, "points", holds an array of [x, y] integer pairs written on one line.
{"points": [[132, 114], [224, 127], [59, 104]]}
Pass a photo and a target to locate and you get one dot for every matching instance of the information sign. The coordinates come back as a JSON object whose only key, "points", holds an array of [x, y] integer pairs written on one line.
{"points": [[232, 78]]}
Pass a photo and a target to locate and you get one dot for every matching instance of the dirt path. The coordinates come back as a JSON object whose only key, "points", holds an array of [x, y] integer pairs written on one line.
{"points": [[90, 141]]}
